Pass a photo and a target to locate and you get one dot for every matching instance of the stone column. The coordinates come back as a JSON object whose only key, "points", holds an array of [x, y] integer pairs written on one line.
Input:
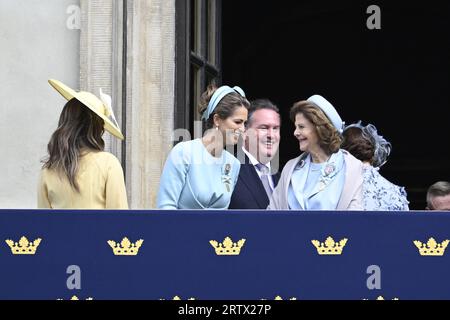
{"points": [[96, 50], [141, 83], [150, 96]]}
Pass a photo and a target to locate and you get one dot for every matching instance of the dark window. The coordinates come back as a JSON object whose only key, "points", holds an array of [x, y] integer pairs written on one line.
{"points": [[198, 60], [395, 78]]}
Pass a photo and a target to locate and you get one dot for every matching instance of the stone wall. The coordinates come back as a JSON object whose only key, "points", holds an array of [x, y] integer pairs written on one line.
{"points": [[125, 47], [38, 40]]}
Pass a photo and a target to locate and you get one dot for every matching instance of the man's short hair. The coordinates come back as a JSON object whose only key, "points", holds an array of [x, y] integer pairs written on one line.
{"points": [[260, 104], [439, 189]]}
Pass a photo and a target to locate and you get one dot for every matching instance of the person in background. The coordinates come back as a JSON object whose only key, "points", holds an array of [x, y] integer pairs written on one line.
{"points": [[78, 173], [258, 177], [323, 177], [373, 150], [438, 196], [201, 173]]}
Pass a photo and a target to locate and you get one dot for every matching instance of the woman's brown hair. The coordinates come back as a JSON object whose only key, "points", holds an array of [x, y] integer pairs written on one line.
{"points": [[78, 128], [358, 145], [226, 106], [329, 138]]}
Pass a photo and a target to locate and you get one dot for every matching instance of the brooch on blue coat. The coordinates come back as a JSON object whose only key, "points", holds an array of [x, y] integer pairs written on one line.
{"points": [[226, 177], [328, 172], [301, 164]]}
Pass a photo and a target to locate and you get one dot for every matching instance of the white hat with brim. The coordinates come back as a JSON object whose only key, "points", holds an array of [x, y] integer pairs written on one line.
{"points": [[329, 111], [92, 102]]}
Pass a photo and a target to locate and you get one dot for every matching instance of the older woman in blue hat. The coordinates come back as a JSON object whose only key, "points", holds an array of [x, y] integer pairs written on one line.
{"points": [[323, 177], [201, 174]]}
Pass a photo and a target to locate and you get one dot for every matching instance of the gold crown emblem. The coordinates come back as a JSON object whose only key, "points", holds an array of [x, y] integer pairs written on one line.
{"points": [[280, 298], [75, 298], [431, 248], [24, 246], [178, 298], [125, 248], [228, 247], [329, 247], [382, 298]]}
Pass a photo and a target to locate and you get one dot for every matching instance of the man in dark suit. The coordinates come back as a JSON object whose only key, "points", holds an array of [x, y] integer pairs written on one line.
{"points": [[259, 172]]}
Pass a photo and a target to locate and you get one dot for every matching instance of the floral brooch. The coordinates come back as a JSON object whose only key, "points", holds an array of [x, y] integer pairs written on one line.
{"points": [[328, 172], [226, 176]]}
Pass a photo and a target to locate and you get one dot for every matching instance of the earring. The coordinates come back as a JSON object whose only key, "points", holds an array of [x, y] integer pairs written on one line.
{"points": [[217, 128]]}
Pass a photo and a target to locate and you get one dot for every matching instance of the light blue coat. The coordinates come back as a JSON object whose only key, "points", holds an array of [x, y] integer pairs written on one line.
{"points": [[313, 190], [350, 198], [193, 179]]}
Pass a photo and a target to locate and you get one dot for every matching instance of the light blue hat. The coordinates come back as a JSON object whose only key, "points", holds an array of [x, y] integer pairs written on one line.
{"points": [[329, 111], [218, 95]]}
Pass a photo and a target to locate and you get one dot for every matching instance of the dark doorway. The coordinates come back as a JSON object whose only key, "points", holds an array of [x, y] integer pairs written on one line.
{"points": [[397, 78]]}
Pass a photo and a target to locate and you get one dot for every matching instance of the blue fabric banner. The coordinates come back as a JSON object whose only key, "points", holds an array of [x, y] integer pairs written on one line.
{"points": [[271, 254]]}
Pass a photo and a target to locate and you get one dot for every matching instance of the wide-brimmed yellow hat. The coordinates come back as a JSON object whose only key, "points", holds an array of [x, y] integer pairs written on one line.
{"points": [[101, 107]]}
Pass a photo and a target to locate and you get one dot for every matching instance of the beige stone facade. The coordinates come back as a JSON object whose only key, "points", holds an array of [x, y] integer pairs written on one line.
{"points": [[142, 84], [127, 48]]}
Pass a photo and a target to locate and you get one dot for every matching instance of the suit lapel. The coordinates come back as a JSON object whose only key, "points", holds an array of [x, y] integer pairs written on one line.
{"points": [[253, 183], [322, 185], [299, 183], [319, 187], [275, 179]]}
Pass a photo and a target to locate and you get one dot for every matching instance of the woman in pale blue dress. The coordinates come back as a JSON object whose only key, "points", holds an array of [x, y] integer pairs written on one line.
{"points": [[323, 177], [201, 173], [367, 145]]}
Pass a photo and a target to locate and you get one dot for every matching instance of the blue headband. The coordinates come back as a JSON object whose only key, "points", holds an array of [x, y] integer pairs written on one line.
{"points": [[217, 97]]}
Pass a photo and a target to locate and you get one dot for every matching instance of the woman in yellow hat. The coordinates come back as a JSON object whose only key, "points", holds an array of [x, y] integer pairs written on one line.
{"points": [[78, 174]]}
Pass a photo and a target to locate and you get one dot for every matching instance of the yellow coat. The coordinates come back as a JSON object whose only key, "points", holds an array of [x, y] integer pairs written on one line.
{"points": [[100, 179]]}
